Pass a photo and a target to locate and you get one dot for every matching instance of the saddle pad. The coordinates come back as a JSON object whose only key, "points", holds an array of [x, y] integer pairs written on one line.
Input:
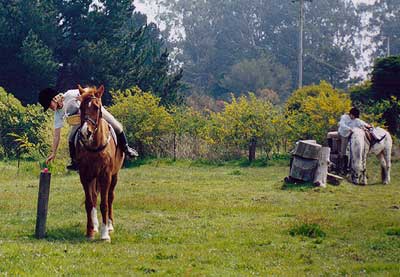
{"points": [[379, 133]]}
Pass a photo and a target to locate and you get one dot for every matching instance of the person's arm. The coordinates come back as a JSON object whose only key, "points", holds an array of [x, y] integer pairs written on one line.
{"points": [[363, 124], [54, 147]]}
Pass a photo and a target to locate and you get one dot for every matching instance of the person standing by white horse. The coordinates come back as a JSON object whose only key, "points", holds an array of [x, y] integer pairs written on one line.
{"points": [[346, 125]]}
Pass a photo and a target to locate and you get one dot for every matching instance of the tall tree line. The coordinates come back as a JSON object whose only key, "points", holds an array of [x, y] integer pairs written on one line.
{"points": [[385, 22], [65, 42], [229, 42]]}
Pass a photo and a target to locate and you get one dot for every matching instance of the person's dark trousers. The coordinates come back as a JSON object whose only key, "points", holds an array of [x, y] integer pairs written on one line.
{"points": [[72, 154]]}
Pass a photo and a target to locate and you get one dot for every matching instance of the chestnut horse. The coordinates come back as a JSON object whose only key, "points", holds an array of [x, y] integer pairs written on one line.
{"points": [[99, 161]]}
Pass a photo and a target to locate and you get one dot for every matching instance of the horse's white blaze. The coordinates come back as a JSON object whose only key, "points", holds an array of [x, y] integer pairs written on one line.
{"points": [[84, 130], [104, 232], [95, 221], [110, 225]]}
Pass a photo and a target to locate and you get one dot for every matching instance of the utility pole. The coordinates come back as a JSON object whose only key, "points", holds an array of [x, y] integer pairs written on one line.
{"points": [[388, 46], [301, 50]]}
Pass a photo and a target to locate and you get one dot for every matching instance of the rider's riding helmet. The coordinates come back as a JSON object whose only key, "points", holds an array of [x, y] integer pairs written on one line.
{"points": [[45, 97]]}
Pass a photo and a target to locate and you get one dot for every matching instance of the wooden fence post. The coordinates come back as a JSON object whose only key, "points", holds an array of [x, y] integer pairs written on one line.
{"points": [[42, 206]]}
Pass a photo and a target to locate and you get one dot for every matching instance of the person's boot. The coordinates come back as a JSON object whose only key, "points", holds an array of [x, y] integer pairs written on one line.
{"points": [[129, 151], [72, 154]]}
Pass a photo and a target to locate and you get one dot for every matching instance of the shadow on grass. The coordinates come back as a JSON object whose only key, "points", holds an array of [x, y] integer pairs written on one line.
{"points": [[275, 160], [298, 186], [137, 162], [72, 234]]}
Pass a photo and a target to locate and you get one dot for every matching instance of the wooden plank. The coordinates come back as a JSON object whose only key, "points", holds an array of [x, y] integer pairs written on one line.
{"points": [[334, 179]]}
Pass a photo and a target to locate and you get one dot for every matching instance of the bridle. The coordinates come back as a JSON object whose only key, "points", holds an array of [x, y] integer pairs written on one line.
{"points": [[95, 122], [87, 118]]}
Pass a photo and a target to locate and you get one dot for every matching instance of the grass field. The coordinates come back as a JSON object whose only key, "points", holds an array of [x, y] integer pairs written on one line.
{"points": [[185, 219]]}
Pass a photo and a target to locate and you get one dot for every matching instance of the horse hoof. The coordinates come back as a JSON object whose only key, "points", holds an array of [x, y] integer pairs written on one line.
{"points": [[110, 226], [90, 238], [106, 239], [105, 233]]}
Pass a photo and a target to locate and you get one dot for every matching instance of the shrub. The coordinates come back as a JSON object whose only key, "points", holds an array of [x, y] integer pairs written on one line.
{"points": [[145, 121], [243, 124], [22, 128], [313, 111]]}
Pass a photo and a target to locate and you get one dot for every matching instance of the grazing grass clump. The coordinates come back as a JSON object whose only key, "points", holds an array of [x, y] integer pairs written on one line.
{"points": [[308, 230], [393, 232]]}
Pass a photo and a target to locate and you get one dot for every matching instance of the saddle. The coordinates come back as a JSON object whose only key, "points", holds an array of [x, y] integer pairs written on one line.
{"points": [[372, 137], [77, 138]]}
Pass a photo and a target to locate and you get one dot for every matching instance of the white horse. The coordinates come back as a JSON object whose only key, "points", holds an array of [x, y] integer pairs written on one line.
{"points": [[359, 149]]}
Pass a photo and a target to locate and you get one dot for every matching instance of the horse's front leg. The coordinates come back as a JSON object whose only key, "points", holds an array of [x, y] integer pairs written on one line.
{"points": [[89, 187], [104, 183], [364, 179]]}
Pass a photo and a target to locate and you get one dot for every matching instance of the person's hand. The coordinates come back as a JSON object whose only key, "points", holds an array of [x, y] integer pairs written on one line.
{"points": [[51, 157]]}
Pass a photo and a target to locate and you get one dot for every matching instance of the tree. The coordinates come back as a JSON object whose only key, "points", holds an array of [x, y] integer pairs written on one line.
{"points": [[385, 25], [61, 42], [218, 35], [380, 95], [244, 123], [256, 75], [386, 77]]}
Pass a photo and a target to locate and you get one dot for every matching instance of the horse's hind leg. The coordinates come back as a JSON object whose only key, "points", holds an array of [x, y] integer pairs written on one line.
{"points": [[382, 161], [104, 189], [114, 180], [94, 209], [364, 178], [385, 165]]}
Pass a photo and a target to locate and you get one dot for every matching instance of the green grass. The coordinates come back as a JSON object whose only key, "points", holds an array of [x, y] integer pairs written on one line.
{"points": [[186, 218]]}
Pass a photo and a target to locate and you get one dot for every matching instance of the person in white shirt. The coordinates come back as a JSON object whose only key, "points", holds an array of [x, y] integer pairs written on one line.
{"points": [[346, 124], [67, 104]]}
